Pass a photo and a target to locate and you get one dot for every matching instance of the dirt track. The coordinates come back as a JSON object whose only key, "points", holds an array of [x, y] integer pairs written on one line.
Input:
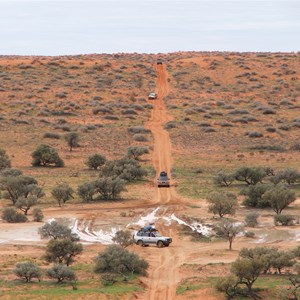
{"points": [[164, 273]]}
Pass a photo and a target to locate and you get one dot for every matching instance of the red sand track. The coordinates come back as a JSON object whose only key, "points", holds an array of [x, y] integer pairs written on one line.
{"points": [[164, 272]]}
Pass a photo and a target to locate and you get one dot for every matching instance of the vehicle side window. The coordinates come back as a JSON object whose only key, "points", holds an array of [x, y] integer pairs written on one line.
{"points": [[145, 234], [139, 234]]}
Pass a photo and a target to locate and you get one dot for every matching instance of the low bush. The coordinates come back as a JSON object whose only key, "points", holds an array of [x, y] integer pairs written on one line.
{"points": [[170, 125], [117, 260], [284, 220], [251, 219], [255, 134], [10, 215], [51, 135], [38, 215], [140, 138], [138, 129], [249, 234]]}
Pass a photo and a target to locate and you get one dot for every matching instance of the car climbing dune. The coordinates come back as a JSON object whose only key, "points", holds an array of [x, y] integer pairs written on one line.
{"points": [[163, 275]]}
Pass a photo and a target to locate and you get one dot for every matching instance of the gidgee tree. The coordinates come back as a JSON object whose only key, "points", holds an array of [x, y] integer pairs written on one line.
{"points": [[222, 203], [18, 186], [279, 197], [46, 155]]}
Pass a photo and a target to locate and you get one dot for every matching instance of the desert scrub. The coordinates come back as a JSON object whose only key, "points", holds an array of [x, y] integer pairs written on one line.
{"points": [[51, 135]]}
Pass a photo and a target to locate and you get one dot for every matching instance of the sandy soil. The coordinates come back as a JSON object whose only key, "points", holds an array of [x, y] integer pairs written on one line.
{"points": [[164, 274], [169, 266]]}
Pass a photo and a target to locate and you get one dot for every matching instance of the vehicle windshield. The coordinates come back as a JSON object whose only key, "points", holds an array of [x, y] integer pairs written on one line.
{"points": [[157, 234]]}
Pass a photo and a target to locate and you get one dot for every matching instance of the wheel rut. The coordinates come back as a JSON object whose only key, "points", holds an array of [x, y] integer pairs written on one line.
{"points": [[164, 262]]}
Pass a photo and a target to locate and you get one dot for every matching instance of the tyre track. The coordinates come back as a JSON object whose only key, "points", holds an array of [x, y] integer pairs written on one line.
{"points": [[164, 263]]}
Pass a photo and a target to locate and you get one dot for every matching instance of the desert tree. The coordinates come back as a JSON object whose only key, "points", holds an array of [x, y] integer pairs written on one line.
{"points": [[115, 259], [123, 238], [46, 155], [247, 271], [282, 259], [250, 175], [136, 152], [223, 179], [228, 230], [288, 176], [95, 161], [27, 271], [72, 139], [86, 191], [108, 188], [62, 251], [4, 160], [20, 186], [125, 168], [254, 195], [279, 197], [61, 273], [222, 203], [62, 193], [24, 204], [55, 230]]}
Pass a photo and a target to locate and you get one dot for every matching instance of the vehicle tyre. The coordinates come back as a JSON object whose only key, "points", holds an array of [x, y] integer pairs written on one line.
{"points": [[140, 243], [160, 244]]}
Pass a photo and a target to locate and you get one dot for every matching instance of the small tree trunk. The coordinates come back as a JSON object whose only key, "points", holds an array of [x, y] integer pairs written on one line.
{"points": [[230, 239]]}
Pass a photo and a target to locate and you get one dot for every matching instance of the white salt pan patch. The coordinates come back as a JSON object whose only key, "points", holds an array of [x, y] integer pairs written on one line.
{"points": [[146, 219], [195, 226], [100, 236]]}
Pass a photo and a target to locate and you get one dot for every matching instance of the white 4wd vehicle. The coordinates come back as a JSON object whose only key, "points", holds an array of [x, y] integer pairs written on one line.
{"points": [[151, 237], [152, 96]]}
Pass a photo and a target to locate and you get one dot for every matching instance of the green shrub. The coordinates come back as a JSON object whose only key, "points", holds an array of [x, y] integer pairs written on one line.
{"points": [[284, 220], [95, 161], [61, 273], [251, 219], [27, 271], [51, 135], [62, 193], [117, 260], [38, 215], [45, 155], [10, 215]]}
